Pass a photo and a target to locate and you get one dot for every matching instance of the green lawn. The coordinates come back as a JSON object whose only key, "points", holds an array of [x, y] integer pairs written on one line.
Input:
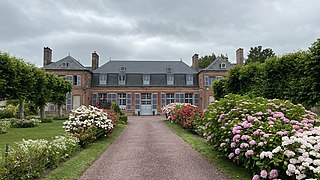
{"points": [[214, 157], [43, 131]]}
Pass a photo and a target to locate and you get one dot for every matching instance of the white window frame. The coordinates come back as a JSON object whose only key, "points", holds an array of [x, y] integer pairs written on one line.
{"points": [[94, 99], [179, 97], [146, 79], [69, 103], [206, 80], [112, 97], [102, 79], [188, 98], [154, 101], [170, 79], [122, 79], [223, 66], [78, 83], [129, 101], [137, 101], [170, 98], [122, 99], [70, 79], [163, 99], [52, 107], [189, 79]]}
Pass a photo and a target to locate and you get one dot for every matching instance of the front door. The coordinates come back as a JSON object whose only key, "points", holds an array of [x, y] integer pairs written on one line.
{"points": [[146, 107]]}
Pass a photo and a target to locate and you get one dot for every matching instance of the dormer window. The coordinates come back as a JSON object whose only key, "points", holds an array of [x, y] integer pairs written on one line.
{"points": [[103, 79], [189, 79], [122, 79], [170, 79], [64, 64], [146, 79], [223, 65]]}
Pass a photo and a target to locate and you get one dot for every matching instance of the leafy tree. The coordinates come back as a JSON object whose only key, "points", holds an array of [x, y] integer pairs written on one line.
{"points": [[219, 89], [206, 60], [257, 54]]}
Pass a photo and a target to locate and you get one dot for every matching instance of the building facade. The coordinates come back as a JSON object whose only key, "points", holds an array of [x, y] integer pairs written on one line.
{"points": [[138, 87]]}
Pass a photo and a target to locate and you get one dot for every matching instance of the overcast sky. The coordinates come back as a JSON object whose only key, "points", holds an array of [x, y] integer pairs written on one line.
{"points": [[154, 29]]}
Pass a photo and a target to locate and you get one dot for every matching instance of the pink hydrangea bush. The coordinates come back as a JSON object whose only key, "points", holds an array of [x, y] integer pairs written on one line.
{"points": [[251, 132]]}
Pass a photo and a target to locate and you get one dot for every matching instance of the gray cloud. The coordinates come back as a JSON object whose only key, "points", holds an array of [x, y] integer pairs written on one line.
{"points": [[154, 30]]}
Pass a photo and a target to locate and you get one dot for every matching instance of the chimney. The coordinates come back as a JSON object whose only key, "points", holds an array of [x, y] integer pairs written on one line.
{"points": [[95, 60], [47, 56], [239, 56], [195, 62]]}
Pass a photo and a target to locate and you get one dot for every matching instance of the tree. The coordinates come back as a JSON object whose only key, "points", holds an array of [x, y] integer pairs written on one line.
{"points": [[206, 60], [257, 54]]}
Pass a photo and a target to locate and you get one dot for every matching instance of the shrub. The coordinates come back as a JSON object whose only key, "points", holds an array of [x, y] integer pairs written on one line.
{"points": [[61, 118], [25, 123], [46, 120], [116, 108], [88, 124], [6, 113], [260, 134], [111, 114], [123, 119], [4, 125], [32, 157]]}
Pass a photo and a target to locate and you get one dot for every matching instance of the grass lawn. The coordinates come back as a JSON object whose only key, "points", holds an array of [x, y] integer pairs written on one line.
{"points": [[214, 157], [73, 168], [43, 131]]}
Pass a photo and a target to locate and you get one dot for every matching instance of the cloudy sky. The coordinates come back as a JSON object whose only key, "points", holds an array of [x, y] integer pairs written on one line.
{"points": [[154, 30]]}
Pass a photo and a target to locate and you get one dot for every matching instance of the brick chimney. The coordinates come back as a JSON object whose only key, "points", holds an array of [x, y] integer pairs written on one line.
{"points": [[195, 62], [239, 56], [47, 56], [95, 60]]}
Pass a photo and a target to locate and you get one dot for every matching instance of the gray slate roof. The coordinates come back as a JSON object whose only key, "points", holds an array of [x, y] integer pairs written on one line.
{"points": [[146, 67], [72, 64], [215, 65]]}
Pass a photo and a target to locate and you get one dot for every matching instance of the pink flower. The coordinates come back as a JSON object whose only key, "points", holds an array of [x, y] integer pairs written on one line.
{"points": [[259, 113], [237, 151], [256, 132], [251, 118], [238, 131], [278, 115], [223, 127], [252, 142], [222, 144], [263, 174], [300, 130], [271, 119], [295, 127], [270, 122], [260, 144], [233, 144], [266, 135], [256, 177], [209, 138], [231, 155], [245, 137], [273, 174], [244, 145], [236, 137], [248, 153]]}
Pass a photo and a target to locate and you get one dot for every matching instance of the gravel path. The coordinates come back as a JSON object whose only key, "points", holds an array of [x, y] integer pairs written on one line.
{"points": [[148, 149]]}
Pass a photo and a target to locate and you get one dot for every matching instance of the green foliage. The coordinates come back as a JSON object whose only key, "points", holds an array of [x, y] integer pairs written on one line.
{"points": [[123, 118], [293, 76], [4, 125], [32, 157], [206, 60], [116, 108], [61, 118], [6, 113], [257, 54], [25, 123], [47, 120]]}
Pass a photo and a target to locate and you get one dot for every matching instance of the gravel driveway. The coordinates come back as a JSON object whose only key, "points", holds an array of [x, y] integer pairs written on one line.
{"points": [[148, 149]]}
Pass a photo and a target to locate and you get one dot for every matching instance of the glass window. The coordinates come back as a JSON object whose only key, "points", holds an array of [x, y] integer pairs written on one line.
{"points": [[94, 99], [196, 99], [70, 79], [122, 79], [52, 107], [137, 101], [188, 98], [146, 99], [163, 99], [154, 101], [103, 79], [112, 97], [122, 99], [179, 98], [69, 101], [169, 98], [170, 79], [129, 101], [206, 81], [146, 79], [189, 79]]}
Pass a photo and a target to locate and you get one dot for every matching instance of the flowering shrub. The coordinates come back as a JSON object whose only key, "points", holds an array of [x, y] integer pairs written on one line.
{"points": [[32, 157], [263, 134], [111, 114], [88, 124], [25, 123], [184, 114], [4, 125]]}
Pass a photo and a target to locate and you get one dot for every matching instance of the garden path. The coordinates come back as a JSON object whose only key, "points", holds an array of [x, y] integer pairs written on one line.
{"points": [[148, 149]]}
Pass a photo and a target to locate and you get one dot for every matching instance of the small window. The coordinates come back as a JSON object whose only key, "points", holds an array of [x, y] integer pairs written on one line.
{"points": [[189, 79], [122, 79], [52, 107], [122, 68], [94, 99], [146, 79], [188, 98], [129, 101], [223, 65], [179, 98], [70, 79], [77, 80], [206, 80], [111, 97], [170, 79], [103, 79], [64, 64], [169, 69]]}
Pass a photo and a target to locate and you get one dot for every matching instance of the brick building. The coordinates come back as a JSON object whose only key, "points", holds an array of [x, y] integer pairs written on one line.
{"points": [[138, 87]]}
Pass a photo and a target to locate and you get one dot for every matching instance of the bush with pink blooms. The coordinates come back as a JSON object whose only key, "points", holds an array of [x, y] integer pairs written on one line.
{"points": [[274, 139], [184, 114]]}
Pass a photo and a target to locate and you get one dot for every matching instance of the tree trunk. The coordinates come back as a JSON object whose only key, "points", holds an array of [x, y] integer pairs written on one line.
{"points": [[21, 108], [59, 110], [42, 113]]}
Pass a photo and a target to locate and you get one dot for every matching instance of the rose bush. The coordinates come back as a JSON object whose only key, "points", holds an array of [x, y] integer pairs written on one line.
{"points": [[88, 124], [264, 136]]}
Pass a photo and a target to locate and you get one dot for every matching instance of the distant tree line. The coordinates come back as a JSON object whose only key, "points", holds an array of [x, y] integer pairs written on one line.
{"points": [[25, 82], [293, 76]]}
